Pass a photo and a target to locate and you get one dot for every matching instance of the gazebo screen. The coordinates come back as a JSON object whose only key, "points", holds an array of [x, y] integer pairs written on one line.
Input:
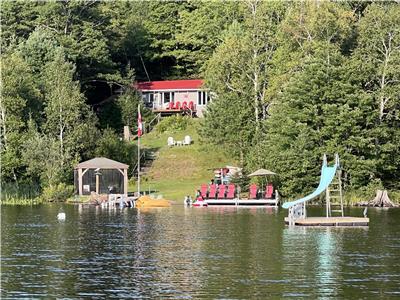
{"points": [[108, 179]]}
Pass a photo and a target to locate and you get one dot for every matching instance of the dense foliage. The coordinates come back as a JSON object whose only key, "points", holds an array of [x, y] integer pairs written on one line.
{"points": [[292, 80], [321, 77]]}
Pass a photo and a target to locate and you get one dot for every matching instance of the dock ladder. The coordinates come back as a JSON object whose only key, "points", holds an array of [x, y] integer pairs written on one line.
{"points": [[335, 191]]}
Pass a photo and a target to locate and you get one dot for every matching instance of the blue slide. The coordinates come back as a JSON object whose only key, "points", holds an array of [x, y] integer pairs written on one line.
{"points": [[327, 175]]}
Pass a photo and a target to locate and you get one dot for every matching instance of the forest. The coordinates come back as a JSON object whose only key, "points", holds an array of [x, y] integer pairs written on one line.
{"points": [[292, 80]]}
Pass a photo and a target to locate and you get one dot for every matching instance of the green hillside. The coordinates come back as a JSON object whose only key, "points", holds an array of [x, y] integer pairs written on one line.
{"points": [[178, 171]]}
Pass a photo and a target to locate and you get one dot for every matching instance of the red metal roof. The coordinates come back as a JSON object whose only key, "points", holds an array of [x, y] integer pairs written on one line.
{"points": [[170, 85]]}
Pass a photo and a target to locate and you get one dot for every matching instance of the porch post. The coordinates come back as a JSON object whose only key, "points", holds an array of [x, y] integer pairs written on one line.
{"points": [[80, 181], [126, 182]]}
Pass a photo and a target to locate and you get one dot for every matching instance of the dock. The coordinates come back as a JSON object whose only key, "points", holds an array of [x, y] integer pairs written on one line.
{"points": [[330, 221], [242, 202], [119, 200]]}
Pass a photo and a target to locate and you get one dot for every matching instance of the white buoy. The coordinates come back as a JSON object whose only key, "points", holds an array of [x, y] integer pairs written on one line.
{"points": [[61, 216]]}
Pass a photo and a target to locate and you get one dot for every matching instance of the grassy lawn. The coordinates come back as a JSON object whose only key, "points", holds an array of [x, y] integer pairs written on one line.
{"points": [[179, 170]]}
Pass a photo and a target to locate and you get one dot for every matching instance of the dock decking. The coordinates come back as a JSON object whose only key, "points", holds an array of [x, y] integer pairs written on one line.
{"points": [[331, 221]]}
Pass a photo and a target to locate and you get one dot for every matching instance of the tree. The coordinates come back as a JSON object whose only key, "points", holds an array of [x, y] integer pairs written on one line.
{"points": [[41, 154], [200, 33], [19, 97], [229, 118], [68, 118], [238, 72], [18, 21], [319, 111], [377, 71], [111, 146]]}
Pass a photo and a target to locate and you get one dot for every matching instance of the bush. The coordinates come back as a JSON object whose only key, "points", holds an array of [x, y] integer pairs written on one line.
{"points": [[363, 194], [394, 196], [173, 123], [112, 147], [57, 193]]}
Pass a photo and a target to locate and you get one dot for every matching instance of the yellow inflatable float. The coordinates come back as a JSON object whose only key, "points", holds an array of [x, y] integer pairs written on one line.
{"points": [[147, 201]]}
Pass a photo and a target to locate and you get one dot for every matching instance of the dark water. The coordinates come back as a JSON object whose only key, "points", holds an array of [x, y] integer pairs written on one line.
{"points": [[194, 253]]}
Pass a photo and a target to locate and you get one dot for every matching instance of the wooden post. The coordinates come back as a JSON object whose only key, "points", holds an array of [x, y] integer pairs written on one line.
{"points": [[80, 182], [126, 182], [328, 203], [97, 183]]}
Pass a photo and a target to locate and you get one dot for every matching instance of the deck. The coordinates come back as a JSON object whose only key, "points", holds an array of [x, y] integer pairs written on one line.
{"points": [[331, 221], [242, 202]]}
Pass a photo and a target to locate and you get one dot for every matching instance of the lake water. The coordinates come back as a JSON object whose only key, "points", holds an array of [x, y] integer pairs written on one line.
{"points": [[179, 253]]}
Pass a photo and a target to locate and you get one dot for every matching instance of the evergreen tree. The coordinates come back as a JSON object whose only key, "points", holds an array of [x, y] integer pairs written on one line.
{"points": [[319, 111]]}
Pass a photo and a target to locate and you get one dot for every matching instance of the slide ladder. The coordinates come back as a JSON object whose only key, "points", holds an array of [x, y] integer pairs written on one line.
{"points": [[333, 189]]}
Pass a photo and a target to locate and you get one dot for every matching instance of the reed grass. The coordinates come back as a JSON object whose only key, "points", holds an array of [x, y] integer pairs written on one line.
{"points": [[20, 194]]}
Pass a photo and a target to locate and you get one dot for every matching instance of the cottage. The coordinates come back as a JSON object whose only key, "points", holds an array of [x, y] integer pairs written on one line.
{"points": [[175, 96]]}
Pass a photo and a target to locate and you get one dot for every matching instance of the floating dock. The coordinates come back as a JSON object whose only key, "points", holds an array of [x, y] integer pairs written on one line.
{"points": [[242, 202], [330, 221]]}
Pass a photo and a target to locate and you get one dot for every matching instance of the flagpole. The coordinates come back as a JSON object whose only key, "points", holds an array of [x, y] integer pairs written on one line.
{"points": [[138, 148]]}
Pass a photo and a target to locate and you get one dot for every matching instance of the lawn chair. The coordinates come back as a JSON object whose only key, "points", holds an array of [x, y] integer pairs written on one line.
{"points": [[268, 192], [191, 105], [187, 140], [221, 191], [203, 190], [177, 105], [170, 141], [253, 191], [213, 191], [184, 105], [231, 191]]}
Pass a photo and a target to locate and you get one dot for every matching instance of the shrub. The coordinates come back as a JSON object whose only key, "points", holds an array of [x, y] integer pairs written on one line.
{"points": [[57, 193], [173, 123], [363, 194]]}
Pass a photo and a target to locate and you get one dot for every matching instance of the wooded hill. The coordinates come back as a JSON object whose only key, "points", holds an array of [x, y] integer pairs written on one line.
{"points": [[293, 80]]}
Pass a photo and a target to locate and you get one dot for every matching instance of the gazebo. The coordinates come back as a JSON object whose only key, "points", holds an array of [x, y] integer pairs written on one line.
{"points": [[101, 175]]}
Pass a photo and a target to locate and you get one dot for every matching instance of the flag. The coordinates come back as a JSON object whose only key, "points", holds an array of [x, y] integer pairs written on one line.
{"points": [[139, 122]]}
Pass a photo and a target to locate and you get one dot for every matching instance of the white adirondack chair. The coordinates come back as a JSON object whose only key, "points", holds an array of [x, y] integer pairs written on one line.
{"points": [[187, 140], [170, 141]]}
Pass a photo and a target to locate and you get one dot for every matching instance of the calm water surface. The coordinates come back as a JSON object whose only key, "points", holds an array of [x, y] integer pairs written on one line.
{"points": [[194, 253]]}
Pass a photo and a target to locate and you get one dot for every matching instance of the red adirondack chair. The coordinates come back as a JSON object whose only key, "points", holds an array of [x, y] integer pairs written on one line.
{"points": [[191, 105], [231, 191], [253, 191], [177, 105], [221, 191], [213, 191], [184, 105], [203, 190], [171, 105], [268, 191]]}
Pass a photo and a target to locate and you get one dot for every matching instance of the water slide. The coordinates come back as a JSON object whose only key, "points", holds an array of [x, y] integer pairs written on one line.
{"points": [[327, 175]]}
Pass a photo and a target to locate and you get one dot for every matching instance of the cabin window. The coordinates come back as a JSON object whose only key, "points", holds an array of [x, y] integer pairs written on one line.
{"points": [[169, 97], [199, 98]]}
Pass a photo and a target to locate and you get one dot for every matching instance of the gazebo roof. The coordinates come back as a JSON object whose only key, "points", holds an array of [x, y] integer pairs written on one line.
{"points": [[101, 163]]}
